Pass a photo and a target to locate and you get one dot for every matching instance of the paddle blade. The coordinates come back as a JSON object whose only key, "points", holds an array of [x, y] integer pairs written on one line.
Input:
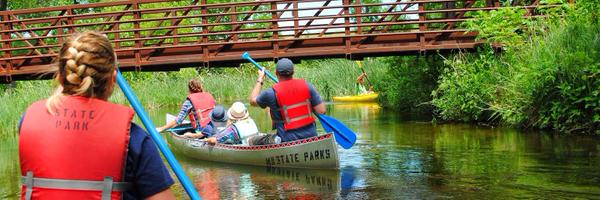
{"points": [[343, 135]]}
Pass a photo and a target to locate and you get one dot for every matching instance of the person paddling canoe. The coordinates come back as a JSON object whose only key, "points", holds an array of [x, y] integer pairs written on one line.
{"points": [[197, 106], [291, 103]]}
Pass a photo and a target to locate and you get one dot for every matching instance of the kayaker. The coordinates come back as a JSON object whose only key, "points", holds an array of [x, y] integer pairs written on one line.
{"points": [[360, 83], [77, 145], [197, 107], [241, 127], [291, 99]]}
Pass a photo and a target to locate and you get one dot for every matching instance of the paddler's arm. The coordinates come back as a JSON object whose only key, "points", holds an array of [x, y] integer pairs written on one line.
{"points": [[320, 108], [186, 107], [257, 87], [169, 125], [315, 99]]}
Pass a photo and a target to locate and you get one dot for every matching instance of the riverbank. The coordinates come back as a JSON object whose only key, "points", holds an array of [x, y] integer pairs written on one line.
{"points": [[547, 75]]}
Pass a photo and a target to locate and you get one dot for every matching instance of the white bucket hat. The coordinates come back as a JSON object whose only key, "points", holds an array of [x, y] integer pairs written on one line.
{"points": [[238, 111]]}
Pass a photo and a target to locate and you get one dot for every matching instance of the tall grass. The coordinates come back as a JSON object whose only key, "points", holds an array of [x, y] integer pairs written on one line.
{"points": [[15, 100], [555, 84], [157, 89]]}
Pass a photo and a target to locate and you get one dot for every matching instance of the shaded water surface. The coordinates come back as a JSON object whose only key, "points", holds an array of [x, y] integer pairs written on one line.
{"points": [[399, 159]]}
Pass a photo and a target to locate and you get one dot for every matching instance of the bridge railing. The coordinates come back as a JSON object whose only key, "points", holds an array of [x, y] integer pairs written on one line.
{"points": [[166, 35]]}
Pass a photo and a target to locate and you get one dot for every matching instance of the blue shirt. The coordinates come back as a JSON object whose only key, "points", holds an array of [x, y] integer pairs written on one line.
{"points": [[144, 166], [267, 98]]}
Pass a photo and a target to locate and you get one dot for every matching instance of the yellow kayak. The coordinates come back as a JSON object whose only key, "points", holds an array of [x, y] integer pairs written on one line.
{"points": [[370, 97]]}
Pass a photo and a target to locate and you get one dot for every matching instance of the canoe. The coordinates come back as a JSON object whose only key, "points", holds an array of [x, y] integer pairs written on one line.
{"points": [[371, 97], [318, 152]]}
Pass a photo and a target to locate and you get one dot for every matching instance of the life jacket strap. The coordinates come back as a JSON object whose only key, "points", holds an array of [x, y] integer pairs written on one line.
{"points": [[286, 108], [28, 181], [201, 117], [107, 186]]}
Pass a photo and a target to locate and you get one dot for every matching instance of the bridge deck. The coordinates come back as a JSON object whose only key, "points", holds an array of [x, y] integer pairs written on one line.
{"points": [[158, 35]]}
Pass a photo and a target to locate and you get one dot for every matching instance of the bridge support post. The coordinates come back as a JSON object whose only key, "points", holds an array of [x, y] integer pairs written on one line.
{"points": [[7, 66], [358, 11], [295, 14], [422, 28], [174, 32], [233, 10], [347, 39], [275, 31], [59, 30], [204, 42], [138, 43], [70, 13]]}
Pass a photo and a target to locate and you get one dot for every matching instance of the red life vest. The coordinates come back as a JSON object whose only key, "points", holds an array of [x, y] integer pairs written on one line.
{"points": [[203, 103], [79, 153], [293, 98]]}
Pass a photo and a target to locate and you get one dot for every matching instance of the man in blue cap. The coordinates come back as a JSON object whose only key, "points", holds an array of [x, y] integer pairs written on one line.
{"points": [[291, 102]]}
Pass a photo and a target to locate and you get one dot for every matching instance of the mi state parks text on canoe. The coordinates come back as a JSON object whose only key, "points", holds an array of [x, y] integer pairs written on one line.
{"points": [[298, 157]]}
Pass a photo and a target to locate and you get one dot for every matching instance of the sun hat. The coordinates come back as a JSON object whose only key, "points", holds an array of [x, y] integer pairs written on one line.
{"points": [[285, 66], [218, 114], [238, 111]]}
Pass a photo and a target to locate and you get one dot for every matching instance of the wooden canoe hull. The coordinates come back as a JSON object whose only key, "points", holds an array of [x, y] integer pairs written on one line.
{"points": [[357, 98], [316, 152]]}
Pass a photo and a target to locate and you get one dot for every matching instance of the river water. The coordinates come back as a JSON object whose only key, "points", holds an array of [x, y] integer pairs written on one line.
{"points": [[395, 158]]}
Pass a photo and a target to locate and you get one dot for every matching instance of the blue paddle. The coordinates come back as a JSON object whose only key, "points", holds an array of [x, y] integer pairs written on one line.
{"points": [[344, 136], [137, 106]]}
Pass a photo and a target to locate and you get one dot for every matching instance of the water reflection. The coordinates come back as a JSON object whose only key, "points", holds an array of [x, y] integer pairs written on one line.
{"points": [[222, 181], [398, 159]]}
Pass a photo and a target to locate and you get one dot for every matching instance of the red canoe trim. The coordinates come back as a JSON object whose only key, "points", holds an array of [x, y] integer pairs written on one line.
{"points": [[274, 146]]}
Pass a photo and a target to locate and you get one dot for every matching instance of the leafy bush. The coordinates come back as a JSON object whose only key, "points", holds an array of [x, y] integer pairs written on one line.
{"points": [[549, 78], [468, 87], [408, 83], [556, 80]]}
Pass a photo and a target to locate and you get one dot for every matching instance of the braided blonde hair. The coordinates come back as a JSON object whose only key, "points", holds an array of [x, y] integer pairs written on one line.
{"points": [[195, 86], [85, 68]]}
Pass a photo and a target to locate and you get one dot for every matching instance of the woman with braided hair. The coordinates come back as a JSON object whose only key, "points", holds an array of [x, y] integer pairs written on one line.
{"points": [[77, 145], [197, 106]]}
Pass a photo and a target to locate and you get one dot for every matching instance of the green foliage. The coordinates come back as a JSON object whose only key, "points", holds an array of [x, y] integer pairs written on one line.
{"points": [[556, 82], [15, 101], [503, 25], [547, 79], [408, 82], [468, 87]]}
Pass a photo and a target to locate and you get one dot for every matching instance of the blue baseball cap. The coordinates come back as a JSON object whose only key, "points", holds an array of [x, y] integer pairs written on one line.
{"points": [[285, 66], [218, 114]]}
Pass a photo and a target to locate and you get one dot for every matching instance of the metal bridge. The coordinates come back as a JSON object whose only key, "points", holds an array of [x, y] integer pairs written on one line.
{"points": [[158, 35]]}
